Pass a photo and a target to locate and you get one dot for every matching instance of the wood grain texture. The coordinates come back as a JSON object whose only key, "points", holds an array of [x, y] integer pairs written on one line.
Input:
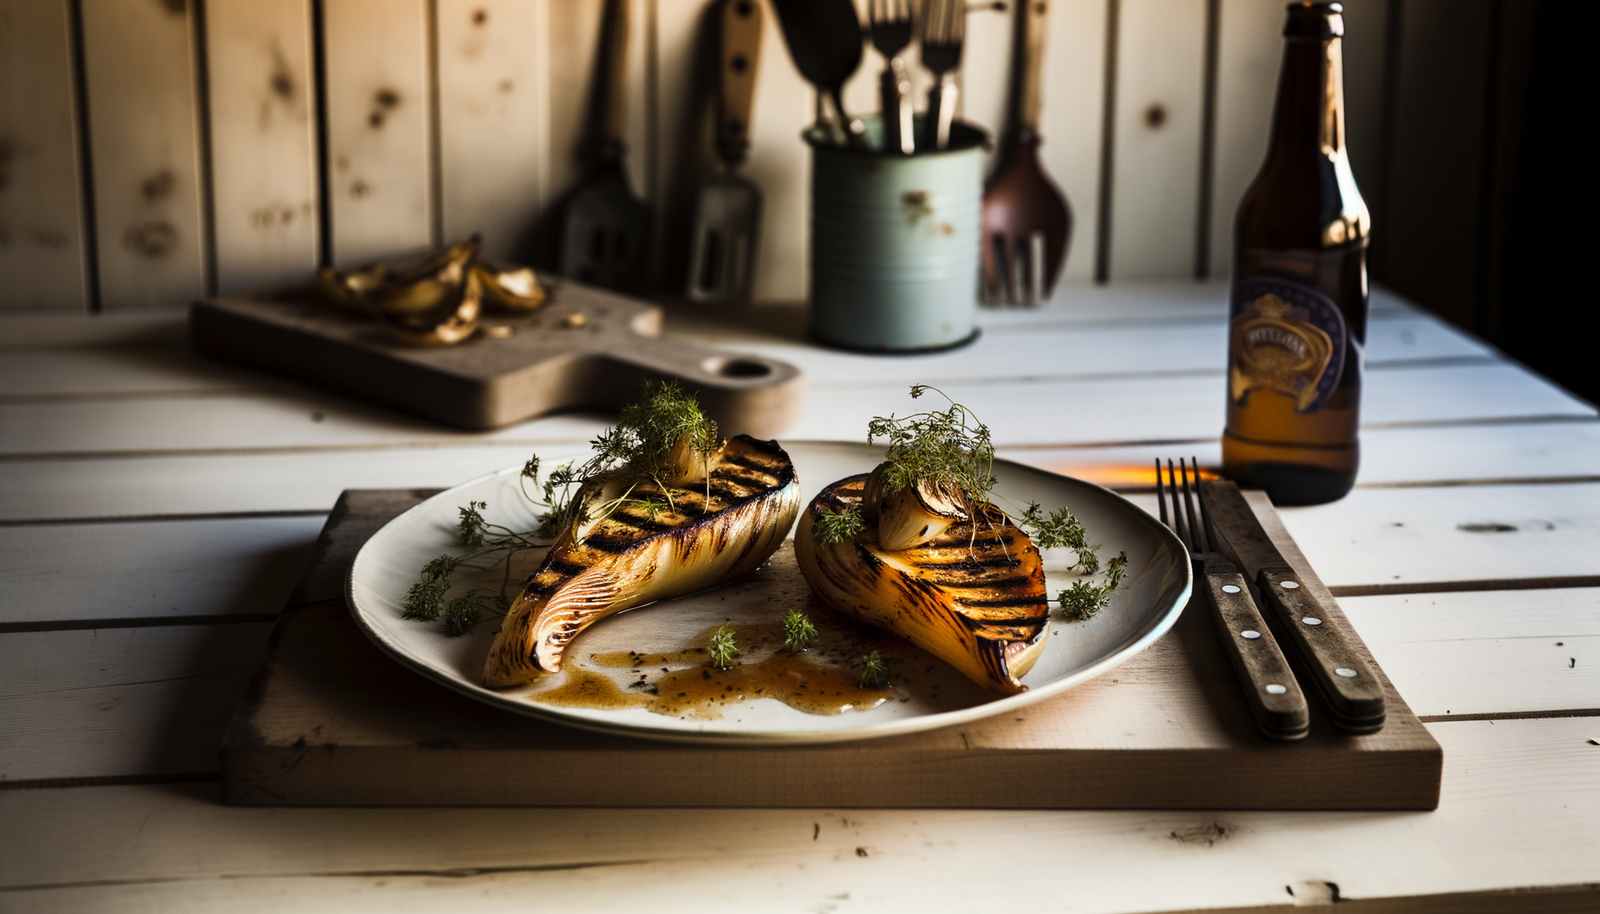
{"points": [[42, 257], [1416, 536], [493, 120], [379, 126], [1488, 653], [238, 567], [1156, 184], [1109, 410], [120, 701], [1518, 805], [1193, 344], [263, 119], [144, 126], [1116, 732]]}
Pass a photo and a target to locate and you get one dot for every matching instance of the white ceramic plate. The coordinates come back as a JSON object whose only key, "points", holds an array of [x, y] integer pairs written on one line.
{"points": [[1142, 610]]}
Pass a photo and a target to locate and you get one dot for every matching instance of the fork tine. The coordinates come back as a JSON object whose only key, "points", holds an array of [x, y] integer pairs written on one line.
{"points": [[1202, 529], [1161, 496], [1196, 536], [1177, 514]]}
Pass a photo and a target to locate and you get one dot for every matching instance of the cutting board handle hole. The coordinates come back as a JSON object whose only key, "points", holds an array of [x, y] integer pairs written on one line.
{"points": [[738, 368]]}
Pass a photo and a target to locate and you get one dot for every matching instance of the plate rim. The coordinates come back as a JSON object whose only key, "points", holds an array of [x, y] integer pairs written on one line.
{"points": [[898, 727]]}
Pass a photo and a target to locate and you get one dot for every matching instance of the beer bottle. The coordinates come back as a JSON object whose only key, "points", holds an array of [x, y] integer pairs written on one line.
{"points": [[1298, 305]]}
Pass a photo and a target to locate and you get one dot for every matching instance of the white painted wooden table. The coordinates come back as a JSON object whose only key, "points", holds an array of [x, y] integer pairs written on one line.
{"points": [[155, 509]]}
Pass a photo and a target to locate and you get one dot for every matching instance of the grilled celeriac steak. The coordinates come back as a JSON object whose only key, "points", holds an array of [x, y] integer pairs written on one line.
{"points": [[639, 553], [973, 595]]}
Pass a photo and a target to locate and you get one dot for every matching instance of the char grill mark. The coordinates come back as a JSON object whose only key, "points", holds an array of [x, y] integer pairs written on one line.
{"points": [[628, 516], [966, 581], [1008, 628], [969, 565], [1003, 602], [608, 545]]}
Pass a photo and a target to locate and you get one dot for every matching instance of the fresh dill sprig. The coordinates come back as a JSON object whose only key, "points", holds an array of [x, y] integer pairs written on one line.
{"points": [[1116, 569], [874, 672], [948, 450], [1060, 528], [798, 630], [462, 613], [472, 526], [1083, 600], [834, 527], [425, 599], [722, 647]]}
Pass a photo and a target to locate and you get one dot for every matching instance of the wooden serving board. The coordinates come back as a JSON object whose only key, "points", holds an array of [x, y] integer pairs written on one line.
{"points": [[329, 720], [545, 365]]}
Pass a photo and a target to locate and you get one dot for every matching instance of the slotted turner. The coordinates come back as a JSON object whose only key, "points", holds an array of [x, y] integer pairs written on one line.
{"points": [[727, 214], [605, 230]]}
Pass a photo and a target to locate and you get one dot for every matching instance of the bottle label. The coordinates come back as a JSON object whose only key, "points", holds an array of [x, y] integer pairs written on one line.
{"points": [[1286, 338]]}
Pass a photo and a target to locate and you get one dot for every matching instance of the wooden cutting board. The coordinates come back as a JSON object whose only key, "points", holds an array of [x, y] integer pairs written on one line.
{"points": [[552, 360], [329, 720]]}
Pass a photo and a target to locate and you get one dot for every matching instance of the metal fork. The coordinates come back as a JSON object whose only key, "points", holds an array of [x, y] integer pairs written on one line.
{"points": [[891, 33], [944, 27], [1274, 696]]}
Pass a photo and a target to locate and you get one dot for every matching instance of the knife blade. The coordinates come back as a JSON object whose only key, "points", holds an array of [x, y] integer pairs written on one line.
{"points": [[1345, 683]]}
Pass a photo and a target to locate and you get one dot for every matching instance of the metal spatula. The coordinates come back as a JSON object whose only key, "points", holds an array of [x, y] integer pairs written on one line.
{"points": [[605, 230], [727, 214]]}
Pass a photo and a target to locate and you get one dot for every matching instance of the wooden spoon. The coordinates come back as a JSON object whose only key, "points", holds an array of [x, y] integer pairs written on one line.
{"points": [[1026, 222]]}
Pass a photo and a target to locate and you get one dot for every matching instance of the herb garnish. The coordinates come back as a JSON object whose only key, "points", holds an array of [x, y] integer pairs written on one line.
{"points": [[722, 647], [834, 527], [952, 452], [1083, 600], [874, 672], [798, 630]]}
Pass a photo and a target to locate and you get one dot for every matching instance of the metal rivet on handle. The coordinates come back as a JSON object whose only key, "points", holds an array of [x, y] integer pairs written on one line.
{"points": [[1346, 672], [1288, 585], [1230, 588], [1252, 635], [1311, 620], [1275, 689]]}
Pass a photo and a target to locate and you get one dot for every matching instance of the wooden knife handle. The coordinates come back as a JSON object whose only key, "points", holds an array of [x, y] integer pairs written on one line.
{"points": [[1269, 685], [1349, 690], [741, 56], [1031, 25], [614, 26]]}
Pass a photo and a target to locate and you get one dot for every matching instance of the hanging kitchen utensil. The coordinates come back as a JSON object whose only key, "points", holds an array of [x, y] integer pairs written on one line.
{"points": [[605, 231], [944, 32], [824, 39], [1027, 223], [727, 214]]}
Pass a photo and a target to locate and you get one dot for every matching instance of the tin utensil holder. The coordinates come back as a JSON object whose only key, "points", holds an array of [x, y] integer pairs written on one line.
{"points": [[894, 242]]}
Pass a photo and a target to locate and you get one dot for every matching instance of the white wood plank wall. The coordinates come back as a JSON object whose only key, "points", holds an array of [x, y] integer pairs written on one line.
{"points": [[227, 150], [144, 127], [41, 206], [263, 109]]}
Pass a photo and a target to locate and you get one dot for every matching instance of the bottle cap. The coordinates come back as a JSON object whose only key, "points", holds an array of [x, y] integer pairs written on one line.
{"points": [[1315, 20]]}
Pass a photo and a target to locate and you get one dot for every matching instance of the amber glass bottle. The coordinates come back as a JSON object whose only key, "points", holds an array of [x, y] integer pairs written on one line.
{"points": [[1299, 298]]}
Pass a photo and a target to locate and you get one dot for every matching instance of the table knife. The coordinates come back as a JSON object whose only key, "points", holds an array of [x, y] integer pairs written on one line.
{"points": [[1350, 692]]}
